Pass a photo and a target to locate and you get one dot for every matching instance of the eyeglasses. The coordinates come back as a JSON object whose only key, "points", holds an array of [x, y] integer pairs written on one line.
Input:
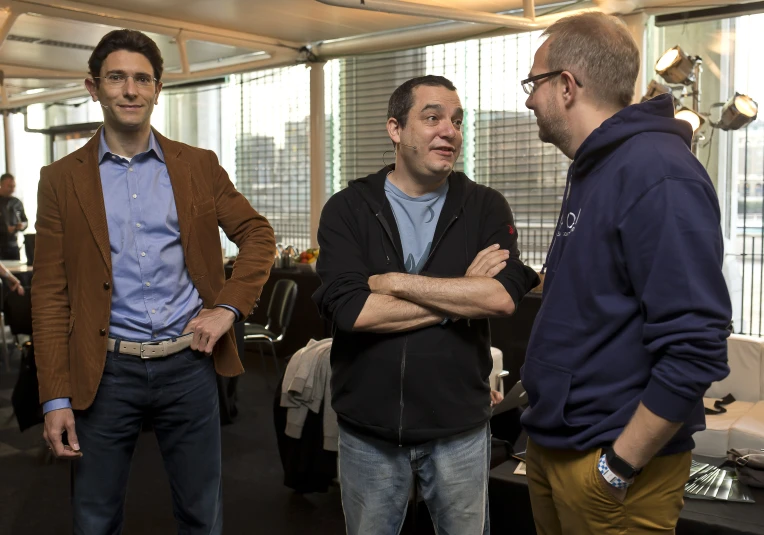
{"points": [[530, 84], [118, 79]]}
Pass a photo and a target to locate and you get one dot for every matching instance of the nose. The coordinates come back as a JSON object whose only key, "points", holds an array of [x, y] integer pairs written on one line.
{"points": [[448, 131], [130, 87], [529, 102]]}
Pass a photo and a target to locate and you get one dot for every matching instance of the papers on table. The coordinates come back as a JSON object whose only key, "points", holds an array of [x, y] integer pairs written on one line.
{"points": [[707, 482]]}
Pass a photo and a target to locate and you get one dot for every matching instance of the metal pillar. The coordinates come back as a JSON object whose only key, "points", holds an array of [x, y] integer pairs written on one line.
{"points": [[8, 131], [317, 148]]}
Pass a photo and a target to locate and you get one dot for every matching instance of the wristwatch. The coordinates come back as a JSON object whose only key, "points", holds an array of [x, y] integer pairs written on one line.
{"points": [[619, 466]]}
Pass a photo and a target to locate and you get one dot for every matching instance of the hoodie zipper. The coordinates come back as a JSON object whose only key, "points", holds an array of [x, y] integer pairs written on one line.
{"points": [[403, 372], [388, 232], [440, 238]]}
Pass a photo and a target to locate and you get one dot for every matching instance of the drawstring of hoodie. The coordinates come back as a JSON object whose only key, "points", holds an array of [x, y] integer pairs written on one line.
{"points": [[559, 219]]}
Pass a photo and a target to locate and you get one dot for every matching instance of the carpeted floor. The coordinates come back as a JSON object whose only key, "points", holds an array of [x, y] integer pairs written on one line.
{"points": [[34, 494]]}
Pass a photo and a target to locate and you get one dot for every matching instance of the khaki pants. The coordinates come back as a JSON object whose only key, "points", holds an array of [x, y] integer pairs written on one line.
{"points": [[568, 496]]}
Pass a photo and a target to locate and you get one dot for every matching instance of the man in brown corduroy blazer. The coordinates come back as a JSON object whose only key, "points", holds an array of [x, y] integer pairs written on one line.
{"points": [[132, 315]]}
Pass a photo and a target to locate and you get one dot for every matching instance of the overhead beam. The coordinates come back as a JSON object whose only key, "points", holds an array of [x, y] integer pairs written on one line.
{"points": [[397, 7], [117, 17], [169, 79], [426, 35], [8, 16], [20, 71]]}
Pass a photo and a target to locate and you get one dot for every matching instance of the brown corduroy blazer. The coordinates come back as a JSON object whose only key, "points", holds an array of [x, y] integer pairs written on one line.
{"points": [[72, 281]]}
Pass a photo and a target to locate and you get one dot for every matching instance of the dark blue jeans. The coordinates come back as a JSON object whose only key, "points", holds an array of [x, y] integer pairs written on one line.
{"points": [[179, 396]]}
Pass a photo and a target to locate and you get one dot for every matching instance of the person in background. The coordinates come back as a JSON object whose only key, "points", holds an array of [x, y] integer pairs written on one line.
{"points": [[13, 283], [633, 324], [414, 260], [131, 312], [13, 219]]}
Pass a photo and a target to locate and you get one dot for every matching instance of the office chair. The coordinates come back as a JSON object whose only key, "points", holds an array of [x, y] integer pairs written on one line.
{"points": [[280, 309]]}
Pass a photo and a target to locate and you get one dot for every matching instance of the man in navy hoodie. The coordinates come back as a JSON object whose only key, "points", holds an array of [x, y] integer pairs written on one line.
{"points": [[633, 325]]}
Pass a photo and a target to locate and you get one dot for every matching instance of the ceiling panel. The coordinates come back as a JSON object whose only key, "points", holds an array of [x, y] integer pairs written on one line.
{"points": [[294, 20], [55, 43]]}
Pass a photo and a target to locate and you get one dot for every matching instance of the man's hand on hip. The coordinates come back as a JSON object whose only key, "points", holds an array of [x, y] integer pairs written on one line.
{"points": [[208, 327], [56, 422], [488, 262]]}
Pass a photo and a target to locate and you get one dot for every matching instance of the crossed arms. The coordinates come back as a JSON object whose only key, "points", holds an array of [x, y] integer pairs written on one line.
{"points": [[403, 302]]}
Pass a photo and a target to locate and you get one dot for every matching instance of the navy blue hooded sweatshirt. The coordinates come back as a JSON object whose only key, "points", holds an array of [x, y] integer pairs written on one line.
{"points": [[635, 307]]}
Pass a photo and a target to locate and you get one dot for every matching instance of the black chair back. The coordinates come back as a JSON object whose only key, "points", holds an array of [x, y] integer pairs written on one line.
{"points": [[281, 305], [29, 240], [18, 311]]}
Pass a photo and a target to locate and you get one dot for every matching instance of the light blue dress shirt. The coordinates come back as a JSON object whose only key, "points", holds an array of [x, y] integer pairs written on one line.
{"points": [[153, 296]]}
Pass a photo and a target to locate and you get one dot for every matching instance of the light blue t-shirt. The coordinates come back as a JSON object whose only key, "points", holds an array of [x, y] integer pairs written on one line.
{"points": [[416, 218]]}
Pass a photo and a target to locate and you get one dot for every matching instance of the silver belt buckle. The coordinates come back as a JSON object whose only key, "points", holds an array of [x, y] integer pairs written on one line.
{"points": [[144, 357]]}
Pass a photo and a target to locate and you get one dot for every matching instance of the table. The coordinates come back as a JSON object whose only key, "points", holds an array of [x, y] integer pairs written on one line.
{"points": [[511, 510]]}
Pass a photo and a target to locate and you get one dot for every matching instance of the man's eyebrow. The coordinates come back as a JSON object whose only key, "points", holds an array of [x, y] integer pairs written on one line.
{"points": [[121, 71], [439, 107], [436, 107]]}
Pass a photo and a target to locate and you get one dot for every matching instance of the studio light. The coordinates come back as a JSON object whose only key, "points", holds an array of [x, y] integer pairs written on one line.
{"points": [[676, 67], [738, 112], [654, 89], [686, 114]]}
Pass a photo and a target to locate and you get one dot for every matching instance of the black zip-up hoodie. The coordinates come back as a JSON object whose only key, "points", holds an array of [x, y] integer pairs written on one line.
{"points": [[429, 383]]}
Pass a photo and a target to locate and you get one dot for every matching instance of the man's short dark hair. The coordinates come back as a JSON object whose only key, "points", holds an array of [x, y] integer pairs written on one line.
{"points": [[6, 176], [130, 40], [403, 98]]}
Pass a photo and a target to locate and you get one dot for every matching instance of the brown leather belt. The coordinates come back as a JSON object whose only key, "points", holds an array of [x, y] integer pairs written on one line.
{"points": [[152, 350]]}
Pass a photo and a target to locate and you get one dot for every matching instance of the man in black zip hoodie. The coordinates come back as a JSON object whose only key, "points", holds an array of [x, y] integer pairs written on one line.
{"points": [[633, 324], [414, 259]]}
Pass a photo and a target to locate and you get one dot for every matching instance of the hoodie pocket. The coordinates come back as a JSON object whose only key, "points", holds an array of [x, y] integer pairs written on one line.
{"points": [[548, 386]]}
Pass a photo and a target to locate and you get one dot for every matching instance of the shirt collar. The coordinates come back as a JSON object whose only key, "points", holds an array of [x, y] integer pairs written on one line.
{"points": [[103, 148]]}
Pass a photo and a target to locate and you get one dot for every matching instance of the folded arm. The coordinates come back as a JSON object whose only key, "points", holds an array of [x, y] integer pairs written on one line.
{"points": [[387, 314], [464, 297]]}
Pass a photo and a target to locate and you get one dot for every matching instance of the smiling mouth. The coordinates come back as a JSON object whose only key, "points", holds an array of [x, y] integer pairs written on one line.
{"points": [[444, 150]]}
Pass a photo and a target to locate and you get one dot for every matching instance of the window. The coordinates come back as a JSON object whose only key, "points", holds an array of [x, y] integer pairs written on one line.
{"points": [[733, 159], [273, 149]]}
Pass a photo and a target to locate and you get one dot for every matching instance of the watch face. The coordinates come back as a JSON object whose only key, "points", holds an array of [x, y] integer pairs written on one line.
{"points": [[619, 466]]}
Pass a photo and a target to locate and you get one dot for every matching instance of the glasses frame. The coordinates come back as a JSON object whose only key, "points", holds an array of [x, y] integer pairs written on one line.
{"points": [[544, 76], [154, 81]]}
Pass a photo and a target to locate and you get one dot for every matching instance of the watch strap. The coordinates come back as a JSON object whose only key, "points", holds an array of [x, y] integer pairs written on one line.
{"points": [[611, 477]]}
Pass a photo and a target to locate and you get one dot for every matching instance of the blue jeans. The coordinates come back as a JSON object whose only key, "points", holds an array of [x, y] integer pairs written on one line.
{"points": [[179, 396], [376, 478]]}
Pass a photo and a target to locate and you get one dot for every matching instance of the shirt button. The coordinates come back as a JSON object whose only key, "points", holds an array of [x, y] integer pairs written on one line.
{"points": [[153, 311], [130, 169], [138, 225], [106, 285], [102, 332], [143, 254], [135, 196], [148, 284]]}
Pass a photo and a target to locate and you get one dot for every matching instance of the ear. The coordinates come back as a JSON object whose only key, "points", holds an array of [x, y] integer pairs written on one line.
{"points": [[156, 95], [394, 130], [569, 88], [90, 85]]}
